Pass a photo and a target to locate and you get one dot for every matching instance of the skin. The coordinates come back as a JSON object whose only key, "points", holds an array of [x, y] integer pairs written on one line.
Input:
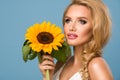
{"points": [[78, 31], [99, 70], [47, 64]]}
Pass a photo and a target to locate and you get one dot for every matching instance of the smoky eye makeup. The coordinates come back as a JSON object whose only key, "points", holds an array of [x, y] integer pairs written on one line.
{"points": [[67, 20], [82, 21]]}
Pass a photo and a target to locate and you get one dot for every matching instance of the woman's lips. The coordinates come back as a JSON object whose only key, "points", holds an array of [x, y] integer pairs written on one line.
{"points": [[72, 36]]}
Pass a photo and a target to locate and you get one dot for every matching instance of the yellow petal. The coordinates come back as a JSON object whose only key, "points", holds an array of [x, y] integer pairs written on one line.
{"points": [[33, 31]]}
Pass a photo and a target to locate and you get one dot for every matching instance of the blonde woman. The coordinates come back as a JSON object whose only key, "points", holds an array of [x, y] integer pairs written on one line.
{"points": [[87, 28]]}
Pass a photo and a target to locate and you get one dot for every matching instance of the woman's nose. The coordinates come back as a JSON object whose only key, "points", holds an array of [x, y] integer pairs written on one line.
{"points": [[72, 27]]}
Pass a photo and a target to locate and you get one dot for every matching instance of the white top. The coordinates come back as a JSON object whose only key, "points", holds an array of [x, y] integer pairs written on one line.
{"points": [[76, 76]]}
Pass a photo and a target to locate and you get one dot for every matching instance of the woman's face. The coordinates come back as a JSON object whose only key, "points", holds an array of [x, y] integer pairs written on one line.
{"points": [[78, 25]]}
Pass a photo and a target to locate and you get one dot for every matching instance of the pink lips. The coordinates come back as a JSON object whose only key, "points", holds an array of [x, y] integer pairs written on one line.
{"points": [[72, 36]]}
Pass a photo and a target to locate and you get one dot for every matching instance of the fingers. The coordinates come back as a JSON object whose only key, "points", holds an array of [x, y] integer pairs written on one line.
{"points": [[47, 64], [47, 67], [47, 57]]}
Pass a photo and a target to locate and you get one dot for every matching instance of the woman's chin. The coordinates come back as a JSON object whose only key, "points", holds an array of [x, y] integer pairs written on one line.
{"points": [[71, 43]]}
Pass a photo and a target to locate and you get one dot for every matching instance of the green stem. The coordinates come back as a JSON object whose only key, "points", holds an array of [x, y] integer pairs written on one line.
{"points": [[47, 75], [39, 58], [47, 71]]}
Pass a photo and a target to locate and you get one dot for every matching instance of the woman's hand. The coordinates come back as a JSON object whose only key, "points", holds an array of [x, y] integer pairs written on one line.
{"points": [[47, 63]]}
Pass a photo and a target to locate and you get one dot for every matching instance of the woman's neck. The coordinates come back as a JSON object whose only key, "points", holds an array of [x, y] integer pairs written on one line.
{"points": [[77, 55]]}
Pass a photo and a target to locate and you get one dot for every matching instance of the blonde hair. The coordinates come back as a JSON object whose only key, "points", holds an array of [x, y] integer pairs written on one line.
{"points": [[101, 31]]}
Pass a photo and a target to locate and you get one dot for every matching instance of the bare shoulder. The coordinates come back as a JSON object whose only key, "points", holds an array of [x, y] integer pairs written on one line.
{"points": [[96, 62], [99, 69]]}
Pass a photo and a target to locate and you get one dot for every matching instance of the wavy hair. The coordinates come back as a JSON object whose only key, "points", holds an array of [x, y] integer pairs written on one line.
{"points": [[101, 22]]}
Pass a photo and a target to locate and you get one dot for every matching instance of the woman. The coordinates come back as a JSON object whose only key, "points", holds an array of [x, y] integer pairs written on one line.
{"points": [[87, 28]]}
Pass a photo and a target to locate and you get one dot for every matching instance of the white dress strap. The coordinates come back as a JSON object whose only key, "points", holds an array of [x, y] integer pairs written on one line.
{"points": [[76, 76]]}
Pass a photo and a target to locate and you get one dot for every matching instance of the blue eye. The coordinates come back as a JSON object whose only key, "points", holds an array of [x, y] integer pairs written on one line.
{"points": [[82, 21], [67, 20]]}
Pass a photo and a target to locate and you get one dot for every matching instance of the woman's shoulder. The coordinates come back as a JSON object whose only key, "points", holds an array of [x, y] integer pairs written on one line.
{"points": [[99, 69], [97, 61]]}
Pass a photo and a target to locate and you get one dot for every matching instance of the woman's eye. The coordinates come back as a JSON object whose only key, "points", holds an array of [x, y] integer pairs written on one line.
{"points": [[83, 21], [67, 20]]}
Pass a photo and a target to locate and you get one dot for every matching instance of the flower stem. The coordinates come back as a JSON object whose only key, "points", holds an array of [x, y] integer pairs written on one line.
{"points": [[39, 58], [47, 71], [47, 75]]}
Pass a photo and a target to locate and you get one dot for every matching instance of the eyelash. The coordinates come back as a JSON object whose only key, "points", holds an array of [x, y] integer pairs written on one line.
{"points": [[82, 22], [67, 20]]}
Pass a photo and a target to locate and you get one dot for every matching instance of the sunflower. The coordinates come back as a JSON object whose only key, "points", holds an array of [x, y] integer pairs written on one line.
{"points": [[44, 37]]}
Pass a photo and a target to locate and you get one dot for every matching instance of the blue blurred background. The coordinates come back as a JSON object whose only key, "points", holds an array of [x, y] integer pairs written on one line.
{"points": [[17, 15]]}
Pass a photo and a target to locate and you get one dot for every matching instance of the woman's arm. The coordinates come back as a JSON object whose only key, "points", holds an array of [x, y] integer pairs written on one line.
{"points": [[47, 63], [99, 70]]}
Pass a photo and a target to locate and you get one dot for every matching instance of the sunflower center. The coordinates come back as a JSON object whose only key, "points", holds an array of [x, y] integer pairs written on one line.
{"points": [[45, 37]]}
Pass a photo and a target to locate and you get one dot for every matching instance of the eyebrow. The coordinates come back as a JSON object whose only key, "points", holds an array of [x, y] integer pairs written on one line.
{"points": [[77, 17], [67, 17]]}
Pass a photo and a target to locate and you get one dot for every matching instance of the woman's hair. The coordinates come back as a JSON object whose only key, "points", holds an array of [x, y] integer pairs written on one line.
{"points": [[101, 31]]}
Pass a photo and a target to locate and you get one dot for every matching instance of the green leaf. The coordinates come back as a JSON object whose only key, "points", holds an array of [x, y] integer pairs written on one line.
{"points": [[63, 53], [67, 49], [25, 52], [26, 43], [32, 55], [40, 57]]}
